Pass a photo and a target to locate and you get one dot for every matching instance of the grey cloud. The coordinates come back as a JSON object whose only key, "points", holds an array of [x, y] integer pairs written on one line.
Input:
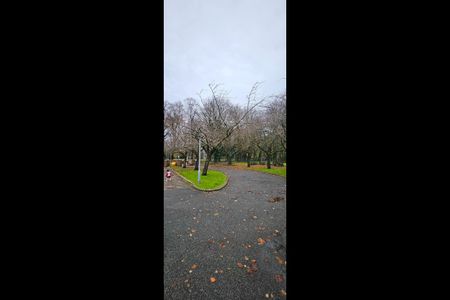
{"points": [[235, 43]]}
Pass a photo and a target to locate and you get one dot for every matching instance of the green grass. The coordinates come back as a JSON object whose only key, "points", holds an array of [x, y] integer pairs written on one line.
{"points": [[277, 171], [281, 171], [212, 180]]}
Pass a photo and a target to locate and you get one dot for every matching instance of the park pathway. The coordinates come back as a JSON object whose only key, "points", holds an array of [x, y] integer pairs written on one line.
{"points": [[228, 244], [175, 183]]}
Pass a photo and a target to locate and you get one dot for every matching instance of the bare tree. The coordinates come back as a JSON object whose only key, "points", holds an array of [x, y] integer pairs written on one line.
{"points": [[173, 121], [218, 119], [271, 136]]}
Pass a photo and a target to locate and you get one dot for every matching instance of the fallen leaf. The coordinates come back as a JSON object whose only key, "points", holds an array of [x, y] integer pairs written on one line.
{"points": [[216, 271], [279, 278], [267, 295], [220, 271], [283, 293], [276, 199], [246, 257], [212, 279], [253, 268], [240, 265], [254, 261], [261, 241], [279, 260], [216, 214], [194, 266], [194, 231]]}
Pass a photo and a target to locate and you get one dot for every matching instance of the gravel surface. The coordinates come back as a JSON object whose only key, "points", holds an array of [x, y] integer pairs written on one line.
{"points": [[206, 234]]}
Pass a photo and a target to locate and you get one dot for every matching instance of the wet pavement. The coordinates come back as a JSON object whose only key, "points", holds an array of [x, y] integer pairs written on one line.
{"points": [[228, 244]]}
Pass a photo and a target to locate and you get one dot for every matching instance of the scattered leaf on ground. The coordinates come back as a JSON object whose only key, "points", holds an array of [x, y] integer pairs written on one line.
{"points": [[279, 260], [252, 268], [283, 293], [194, 266], [254, 261], [261, 241], [240, 265], [276, 199], [220, 271], [213, 279], [246, 257], [279, 278], [267, 295], [216, 214]]}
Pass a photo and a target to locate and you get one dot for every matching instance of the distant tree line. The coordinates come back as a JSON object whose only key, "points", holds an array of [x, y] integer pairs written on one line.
{"points": [[255, 132]]}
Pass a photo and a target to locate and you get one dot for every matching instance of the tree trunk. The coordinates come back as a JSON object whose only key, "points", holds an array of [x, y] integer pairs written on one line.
{"points": [[229, 157], [185, 161], [216, 157], [205, 167], [259, 158], [248, 160], [196, 164], [268, 163]]}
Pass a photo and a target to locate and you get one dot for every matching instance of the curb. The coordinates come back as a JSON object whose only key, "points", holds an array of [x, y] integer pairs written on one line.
{"points": [[203, 190]]}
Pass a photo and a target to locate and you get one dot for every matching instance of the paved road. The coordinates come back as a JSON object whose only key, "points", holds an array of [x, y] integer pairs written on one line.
{"points": [[217, 230]]}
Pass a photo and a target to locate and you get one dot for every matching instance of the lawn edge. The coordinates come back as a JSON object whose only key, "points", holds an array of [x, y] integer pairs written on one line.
{"points": [[204, 190], [249, 170]]}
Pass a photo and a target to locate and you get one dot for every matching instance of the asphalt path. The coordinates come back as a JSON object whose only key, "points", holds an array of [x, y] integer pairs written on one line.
{"points": [[228, 244]]}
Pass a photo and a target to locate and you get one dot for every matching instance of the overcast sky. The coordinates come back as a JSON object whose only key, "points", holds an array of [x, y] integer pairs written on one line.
{"points": [[231, 42]]}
